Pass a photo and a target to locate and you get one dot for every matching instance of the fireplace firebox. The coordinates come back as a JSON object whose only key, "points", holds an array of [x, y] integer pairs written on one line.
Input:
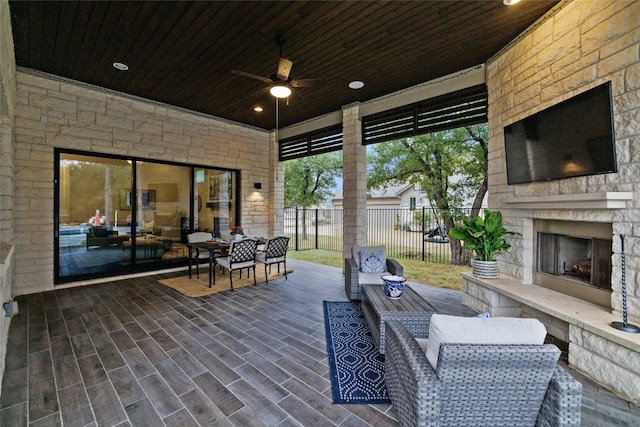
{"points": [[575, 259]]}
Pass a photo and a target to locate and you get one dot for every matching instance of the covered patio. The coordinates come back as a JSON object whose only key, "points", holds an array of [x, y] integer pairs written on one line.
{"points": [[135, 352], [559, 50]]}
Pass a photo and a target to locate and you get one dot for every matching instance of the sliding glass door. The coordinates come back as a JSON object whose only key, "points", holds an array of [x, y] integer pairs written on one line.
{"points": [[118, 215]]}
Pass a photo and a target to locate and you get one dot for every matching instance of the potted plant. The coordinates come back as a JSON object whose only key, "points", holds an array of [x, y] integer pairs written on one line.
{"points": [[237, 232], [485, 236]]}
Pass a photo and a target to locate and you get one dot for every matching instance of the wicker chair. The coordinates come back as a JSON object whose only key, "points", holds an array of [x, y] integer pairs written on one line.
{"points": [[354, 279], [479, 384]]}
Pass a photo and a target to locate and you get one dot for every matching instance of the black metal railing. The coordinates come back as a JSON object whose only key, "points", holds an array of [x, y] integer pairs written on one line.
{"points": [[419, 234]]}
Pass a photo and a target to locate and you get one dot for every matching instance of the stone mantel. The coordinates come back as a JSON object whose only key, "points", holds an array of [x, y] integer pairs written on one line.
{"points": [[603, 200]]}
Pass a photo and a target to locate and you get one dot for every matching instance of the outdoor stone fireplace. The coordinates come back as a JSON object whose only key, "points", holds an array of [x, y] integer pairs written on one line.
{"points": [[565, 270], [584, 45]]}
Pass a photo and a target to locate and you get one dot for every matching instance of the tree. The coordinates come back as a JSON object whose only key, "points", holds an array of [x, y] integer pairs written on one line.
{"points": [[310, 181], [450, 166]]}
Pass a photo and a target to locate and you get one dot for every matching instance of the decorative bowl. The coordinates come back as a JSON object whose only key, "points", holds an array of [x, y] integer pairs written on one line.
{"points": [[393, 286]]}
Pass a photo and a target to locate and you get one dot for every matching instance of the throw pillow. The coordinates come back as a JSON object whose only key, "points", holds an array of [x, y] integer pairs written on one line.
{"points": [[444, 329], [355, 252], [372, 262]]}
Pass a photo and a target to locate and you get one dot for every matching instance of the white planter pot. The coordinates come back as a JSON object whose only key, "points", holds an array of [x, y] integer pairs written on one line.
{"points": [[485, 269], [239, 236]]}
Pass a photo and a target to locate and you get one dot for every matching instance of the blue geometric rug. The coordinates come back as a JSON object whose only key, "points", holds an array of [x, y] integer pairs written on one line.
{"points": [[357, 369]]}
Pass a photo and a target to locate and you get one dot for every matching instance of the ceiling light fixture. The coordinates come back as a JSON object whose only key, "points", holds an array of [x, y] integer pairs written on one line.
{"points": [[258, 109], [510, 2], [120, 66], [280, 91], [356, 84]]}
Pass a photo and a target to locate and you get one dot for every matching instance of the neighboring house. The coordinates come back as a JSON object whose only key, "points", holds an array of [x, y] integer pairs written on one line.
{"points": [[408, 198], [404, 201]]}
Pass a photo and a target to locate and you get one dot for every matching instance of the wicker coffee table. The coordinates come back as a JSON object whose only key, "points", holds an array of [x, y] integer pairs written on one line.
{"points": [[410, 309]]}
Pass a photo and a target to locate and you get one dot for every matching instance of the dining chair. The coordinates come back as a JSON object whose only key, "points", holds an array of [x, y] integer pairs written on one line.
{"points": [[241, 255], [196, 254], [275, 252]]}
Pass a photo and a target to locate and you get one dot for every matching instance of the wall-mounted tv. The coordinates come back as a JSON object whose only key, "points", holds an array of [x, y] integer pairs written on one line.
{"points": [[572, 138]]}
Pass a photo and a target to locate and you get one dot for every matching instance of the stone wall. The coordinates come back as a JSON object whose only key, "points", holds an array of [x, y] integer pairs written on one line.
{"points": [[583, 45], [53, 113], [7, 109]]}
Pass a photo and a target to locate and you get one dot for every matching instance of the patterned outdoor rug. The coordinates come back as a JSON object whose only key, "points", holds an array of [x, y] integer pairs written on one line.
{"points": [[357, 369]]}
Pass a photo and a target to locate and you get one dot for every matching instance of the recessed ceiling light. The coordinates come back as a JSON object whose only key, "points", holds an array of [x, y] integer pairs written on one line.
{"points": [[356, 84], [120, 66], [258, 109], [510, 2]]}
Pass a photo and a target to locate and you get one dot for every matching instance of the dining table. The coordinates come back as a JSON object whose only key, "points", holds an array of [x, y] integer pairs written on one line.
{"points": [[216, 248]]}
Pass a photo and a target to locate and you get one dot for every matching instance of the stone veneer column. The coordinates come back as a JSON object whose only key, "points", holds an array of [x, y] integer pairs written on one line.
{"points": [[354, 173]]}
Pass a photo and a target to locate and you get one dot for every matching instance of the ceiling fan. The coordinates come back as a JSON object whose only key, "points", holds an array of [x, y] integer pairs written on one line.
{"points": [[281, 82]]}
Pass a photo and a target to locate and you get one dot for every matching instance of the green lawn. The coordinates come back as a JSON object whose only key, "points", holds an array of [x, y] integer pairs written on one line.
{"points": [[436, 274]]}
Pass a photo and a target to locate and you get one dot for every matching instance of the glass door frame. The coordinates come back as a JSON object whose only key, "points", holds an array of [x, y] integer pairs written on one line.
{"points": [[135, 266]]}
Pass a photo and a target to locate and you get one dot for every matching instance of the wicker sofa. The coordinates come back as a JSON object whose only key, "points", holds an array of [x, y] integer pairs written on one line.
{"points": [[103, 238], [354, 279], [479, 384]]}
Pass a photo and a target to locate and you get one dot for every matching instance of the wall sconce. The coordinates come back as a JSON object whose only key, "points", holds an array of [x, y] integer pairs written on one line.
{"points": [[257, 185]]}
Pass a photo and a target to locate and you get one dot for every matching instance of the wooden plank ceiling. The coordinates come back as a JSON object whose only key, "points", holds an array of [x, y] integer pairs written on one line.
{"points": [[182, 52]]}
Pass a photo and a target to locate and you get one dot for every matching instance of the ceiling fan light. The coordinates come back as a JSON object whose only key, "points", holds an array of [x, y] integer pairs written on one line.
{"points": [[280, 91]]}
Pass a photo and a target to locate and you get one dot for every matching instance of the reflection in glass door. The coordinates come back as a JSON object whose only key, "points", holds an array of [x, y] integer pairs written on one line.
{"points": [[215, 200], [162, 206], [118, 215]]}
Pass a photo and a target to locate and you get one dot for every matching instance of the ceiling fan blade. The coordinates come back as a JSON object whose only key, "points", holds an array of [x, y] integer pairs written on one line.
{"points": [[308, 83], [284, 68], [297, 96], [253, 76]]}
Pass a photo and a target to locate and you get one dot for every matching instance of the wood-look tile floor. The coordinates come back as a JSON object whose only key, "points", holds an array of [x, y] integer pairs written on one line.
{"points": [[136, 353]]}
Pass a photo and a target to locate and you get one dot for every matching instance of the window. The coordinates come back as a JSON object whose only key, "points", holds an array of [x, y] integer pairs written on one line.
{"points": [[412, 203], [118, 215]]}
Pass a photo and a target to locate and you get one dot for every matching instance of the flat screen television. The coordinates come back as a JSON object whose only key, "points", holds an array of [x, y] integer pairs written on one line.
{"points": [[569, 139]]}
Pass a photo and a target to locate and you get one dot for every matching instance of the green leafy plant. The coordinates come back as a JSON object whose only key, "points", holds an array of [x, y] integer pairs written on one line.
{"points": [[483, 234]]}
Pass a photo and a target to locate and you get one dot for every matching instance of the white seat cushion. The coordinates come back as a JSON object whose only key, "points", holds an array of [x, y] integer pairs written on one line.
{"points": [[444, 329], [423, 343], [262, 257], [370, 278], [224, 262]]}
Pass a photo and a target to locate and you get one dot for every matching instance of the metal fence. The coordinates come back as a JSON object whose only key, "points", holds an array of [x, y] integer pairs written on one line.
{"points": [[409, 234]]}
